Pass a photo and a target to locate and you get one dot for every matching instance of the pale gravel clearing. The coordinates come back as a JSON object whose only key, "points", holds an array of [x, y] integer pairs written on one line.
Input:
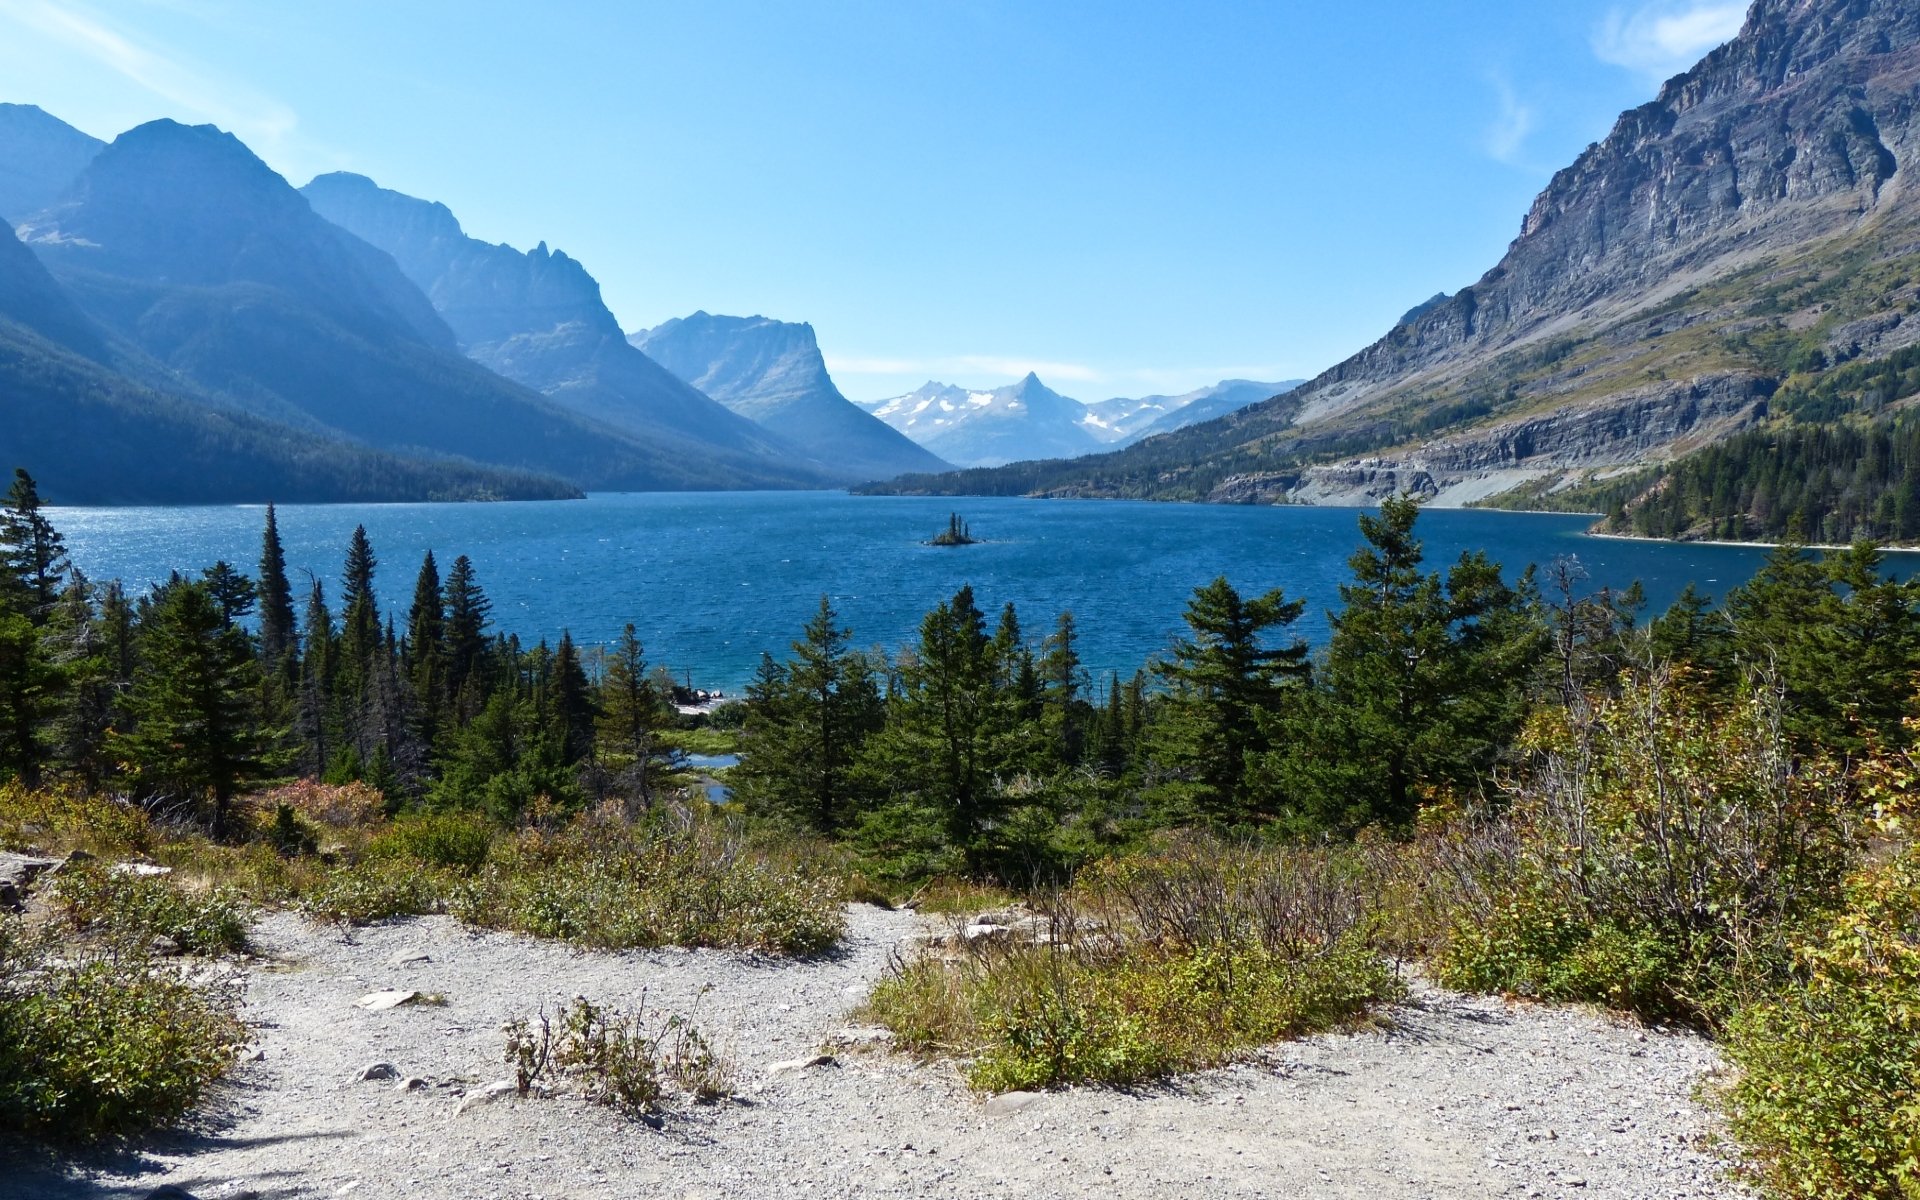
{"points": [[1462, 1097]]}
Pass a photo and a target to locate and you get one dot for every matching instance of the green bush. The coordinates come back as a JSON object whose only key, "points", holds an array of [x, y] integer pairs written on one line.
{"points": [[118, 906], [1828, 1098], [377, 890], [457, 840], [1171, 960], [614, 886], [1657, 858], [94, 1044]]}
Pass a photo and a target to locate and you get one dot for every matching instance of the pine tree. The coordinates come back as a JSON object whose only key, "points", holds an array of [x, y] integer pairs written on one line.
{"points": [[33, 557], [315, 719], [468, 610], [77, 644], [807, 725], [1425, 680], [359, 609], [194, 732], [572, 707], [954, 732], [425, 658], [1062, 680], [28, 687], [631, 712], [1225, 688], [233, 592], [276, 596]]}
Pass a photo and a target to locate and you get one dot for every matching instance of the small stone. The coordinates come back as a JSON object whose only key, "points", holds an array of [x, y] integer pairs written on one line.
{"points": [[803, 1064], [857, 1036], [170, 1192], [379, 1070], [382, 1001], [1008, 1103], [253, 1054], [983, 930], [140, 870], [407, 958], [486, 1094], [412, 1083], [163, 946]]}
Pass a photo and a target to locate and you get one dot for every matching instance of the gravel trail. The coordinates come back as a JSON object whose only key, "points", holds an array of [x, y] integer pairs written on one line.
{"points": [[1461, 1097]]}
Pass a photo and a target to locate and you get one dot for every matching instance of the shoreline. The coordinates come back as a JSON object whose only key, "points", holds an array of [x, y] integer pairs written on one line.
{"points": [[1634, 537]]}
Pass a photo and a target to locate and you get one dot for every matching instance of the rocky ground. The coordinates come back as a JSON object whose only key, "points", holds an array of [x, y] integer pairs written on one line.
{"points": [[1460, 1097]]}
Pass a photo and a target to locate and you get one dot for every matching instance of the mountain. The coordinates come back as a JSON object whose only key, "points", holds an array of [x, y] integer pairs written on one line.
{"points": [[40, 156], [772, 372], [987, 428], [1131, 420], [537, 318], [1750, 227], [93, 434], [181, 243]]}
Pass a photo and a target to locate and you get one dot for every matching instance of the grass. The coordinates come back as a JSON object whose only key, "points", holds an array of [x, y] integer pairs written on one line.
{"points": [[1181, 958]]}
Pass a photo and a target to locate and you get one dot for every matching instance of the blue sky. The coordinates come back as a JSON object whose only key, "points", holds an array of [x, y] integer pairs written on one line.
{"points": [[1125, 197]]}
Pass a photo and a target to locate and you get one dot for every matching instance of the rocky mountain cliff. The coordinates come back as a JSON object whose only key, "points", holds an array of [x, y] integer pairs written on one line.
{"points": [[773, 372], [40, 156], [1024, 420], [537, 318], [1752, 220]]}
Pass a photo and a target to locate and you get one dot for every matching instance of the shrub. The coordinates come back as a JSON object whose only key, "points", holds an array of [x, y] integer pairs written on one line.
{"points": [[458, 840], [1829, 1092], [1660, 853], [93, 1044], [378, 890], [1172, 960], [613, 886], [630, 1061], [340, 806], [60, 820], [135, 908]]}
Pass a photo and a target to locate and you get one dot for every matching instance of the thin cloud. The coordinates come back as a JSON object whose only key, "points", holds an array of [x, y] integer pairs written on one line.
{"points": [[1506, 138], [965, 369], [255, 117], [1664, 38]]}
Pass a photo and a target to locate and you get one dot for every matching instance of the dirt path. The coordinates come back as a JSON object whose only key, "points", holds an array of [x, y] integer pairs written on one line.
{"points": [[1463, 1097]]}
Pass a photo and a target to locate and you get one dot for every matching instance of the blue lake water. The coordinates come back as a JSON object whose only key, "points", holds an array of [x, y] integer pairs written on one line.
{"points": [[710, 580]]}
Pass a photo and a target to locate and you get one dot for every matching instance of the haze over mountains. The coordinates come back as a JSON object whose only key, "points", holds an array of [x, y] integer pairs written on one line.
{"points": [[1746, 230], [773, 372], [1028, 420]]}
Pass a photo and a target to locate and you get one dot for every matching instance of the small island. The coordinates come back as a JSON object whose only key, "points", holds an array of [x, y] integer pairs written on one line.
{"points": [[956, 533]]}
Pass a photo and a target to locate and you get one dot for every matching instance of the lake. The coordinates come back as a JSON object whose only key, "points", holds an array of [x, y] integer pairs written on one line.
{"points": [[710, 580]]}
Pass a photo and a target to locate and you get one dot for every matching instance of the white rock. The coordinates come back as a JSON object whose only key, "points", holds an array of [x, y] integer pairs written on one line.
{"points": [[407, 958], [381, 1001], [140, 870], [379, 1070], [1008, 1103], [803, 1064], [486, 1094]]}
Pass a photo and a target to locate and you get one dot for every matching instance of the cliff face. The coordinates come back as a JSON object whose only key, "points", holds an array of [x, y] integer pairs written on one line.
{"points": [[1792, 132]]}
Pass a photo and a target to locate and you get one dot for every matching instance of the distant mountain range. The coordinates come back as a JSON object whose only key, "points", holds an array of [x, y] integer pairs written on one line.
{"points": [[537, 318], [1747, 232], [1028, 420], [177, 323], [773, 372]]}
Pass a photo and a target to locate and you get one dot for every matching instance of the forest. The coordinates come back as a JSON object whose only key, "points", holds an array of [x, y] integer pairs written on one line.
{"points": [[1528, 784]]}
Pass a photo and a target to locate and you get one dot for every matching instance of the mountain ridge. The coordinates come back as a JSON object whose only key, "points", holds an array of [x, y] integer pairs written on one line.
{"points": [[772, 372]]}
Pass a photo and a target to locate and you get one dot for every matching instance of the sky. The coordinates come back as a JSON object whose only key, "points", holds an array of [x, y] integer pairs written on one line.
{"points": [[1124, 197]]}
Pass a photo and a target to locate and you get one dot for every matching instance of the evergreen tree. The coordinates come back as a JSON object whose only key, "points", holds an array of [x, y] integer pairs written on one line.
{"points": [[276, 596], [233, 592], [572, 705], [28, 688], [1062, 680], [33, 557], [425, 659], [1225, 688], [631, 711], [1691, 632], [1425, 680], [807, 725], [954, 732], [359, 609], [315, 720], [77, 643], [194, 733], [468, 611]]}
